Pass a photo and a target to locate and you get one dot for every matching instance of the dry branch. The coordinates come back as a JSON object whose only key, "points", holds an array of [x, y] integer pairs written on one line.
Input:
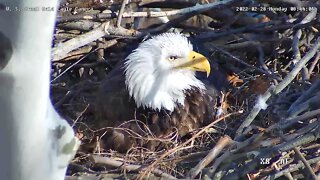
{"points": [[213, 153], [63, 49], [129, 167], [124, 2], [277, 89], [200, 8], [307, 94], [312, 103], [293, 168], [306, 138], [290, 121], [306, 164], [301, 157]]}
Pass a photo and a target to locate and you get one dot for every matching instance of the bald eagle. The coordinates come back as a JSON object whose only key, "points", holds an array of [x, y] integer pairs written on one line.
{"points": [[155, 93]]}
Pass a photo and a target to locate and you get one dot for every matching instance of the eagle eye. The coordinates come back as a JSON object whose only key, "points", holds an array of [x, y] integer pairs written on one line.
{"points": [[172, 58]]}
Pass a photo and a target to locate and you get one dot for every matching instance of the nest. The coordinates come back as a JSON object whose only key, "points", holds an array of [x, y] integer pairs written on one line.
{"points": [[270, 51]]}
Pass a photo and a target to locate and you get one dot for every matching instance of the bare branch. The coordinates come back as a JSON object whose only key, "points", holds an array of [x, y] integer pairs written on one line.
{"points": [[213, 153], [124, 2], [128, 167], [277, 89]]}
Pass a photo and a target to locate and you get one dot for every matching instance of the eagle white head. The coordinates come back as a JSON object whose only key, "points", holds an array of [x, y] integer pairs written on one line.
{"points": [[161, 69]]}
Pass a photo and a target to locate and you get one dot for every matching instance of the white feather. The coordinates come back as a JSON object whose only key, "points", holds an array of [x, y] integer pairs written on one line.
{"points": [[150, 78], [261, 103]]}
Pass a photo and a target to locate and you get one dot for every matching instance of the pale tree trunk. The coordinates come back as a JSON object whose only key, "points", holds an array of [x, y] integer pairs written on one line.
{"points": [[35, 143]]}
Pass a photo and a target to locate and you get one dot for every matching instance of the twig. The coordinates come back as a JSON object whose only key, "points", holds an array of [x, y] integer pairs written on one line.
{"points": [[199, 8], [189, 14], [93, 17], [297, 54], [100, 58], [129, 167], [123, 5], [306, 138], [297, 3], [272, 151], [290, 121], [68, 68], [300, 156], [84, 25], [309, 17], [277, 89], [236, 59], [261, 56], [67, 96], [63, 49], [306, 164], [293, 168], [311, 103], [261, 59], [313, 64], [80, 115], [177, 148], [307, 94], [213, 153], [295, 47], [216, 164], [280, 27], [167, 3], [226, 155], [208, 36], [77, 53]]}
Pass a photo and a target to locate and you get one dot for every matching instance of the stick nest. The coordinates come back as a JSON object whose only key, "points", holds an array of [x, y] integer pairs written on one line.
{"points": [[269, 52]]}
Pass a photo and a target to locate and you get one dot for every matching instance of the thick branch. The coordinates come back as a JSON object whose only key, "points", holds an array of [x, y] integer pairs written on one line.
{"points": [[214, 152]]}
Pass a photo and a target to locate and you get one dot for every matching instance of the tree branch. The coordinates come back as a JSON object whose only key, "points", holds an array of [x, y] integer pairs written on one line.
{"points": [[277, 89]]}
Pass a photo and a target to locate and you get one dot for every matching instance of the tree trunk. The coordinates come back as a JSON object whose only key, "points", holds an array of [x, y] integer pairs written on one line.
{"points": [[35, 142]]}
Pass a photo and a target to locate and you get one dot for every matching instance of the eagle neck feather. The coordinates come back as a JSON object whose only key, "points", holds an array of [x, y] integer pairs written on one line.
{"points": [[159, 90]]}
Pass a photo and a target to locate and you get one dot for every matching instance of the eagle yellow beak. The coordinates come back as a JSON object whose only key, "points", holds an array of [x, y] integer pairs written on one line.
{"points": [[196, 62]]}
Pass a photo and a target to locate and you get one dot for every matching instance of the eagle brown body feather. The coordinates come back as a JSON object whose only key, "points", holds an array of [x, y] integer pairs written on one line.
{"points": [[117, 110]]}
